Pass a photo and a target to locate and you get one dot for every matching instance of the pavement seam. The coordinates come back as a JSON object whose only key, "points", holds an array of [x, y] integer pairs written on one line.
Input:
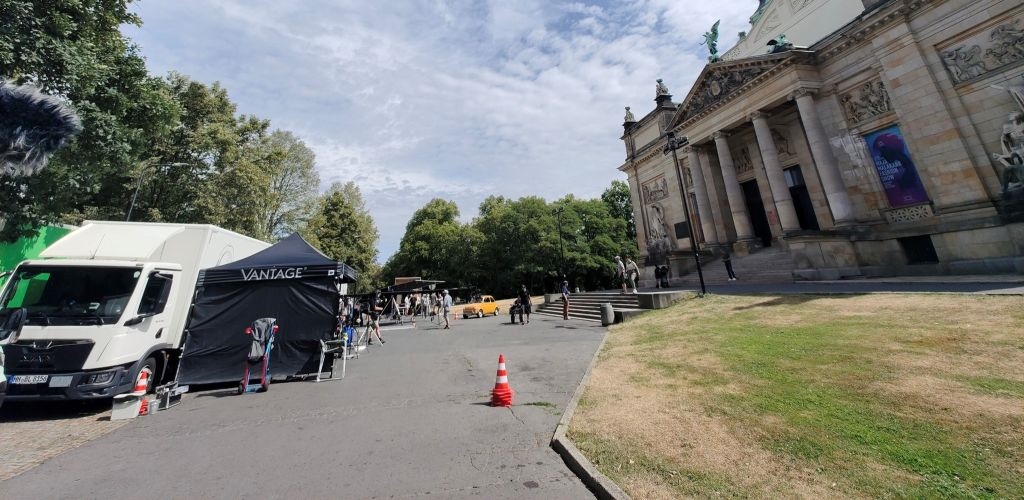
{"points": [[599, 484]]}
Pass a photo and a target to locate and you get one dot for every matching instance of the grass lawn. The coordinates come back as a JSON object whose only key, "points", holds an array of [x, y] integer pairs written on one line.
{"points": [[861, 396]]}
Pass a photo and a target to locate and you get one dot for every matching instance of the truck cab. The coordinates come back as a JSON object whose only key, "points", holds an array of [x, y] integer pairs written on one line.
{"points": [[91, 328], [106, 306]]}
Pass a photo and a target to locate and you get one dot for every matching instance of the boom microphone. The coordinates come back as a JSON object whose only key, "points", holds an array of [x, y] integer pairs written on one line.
{"points": [[33, 126]]}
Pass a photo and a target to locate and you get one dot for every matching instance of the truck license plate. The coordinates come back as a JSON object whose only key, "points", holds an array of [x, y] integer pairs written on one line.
{"points": [[60, 381], [29, 379]]}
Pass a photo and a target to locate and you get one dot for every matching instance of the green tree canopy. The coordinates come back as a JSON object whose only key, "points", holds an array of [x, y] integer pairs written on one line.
{"points": [[343, 229]]}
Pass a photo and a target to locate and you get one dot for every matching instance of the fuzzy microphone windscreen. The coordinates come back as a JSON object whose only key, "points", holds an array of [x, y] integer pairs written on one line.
{"points": [[33, 126]]}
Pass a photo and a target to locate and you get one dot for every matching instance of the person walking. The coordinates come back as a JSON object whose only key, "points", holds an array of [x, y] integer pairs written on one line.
{"points": [[727, 260], [376, 306], [565, 300], [446, 307], [632, 273], [524, 304], [622, 272]]}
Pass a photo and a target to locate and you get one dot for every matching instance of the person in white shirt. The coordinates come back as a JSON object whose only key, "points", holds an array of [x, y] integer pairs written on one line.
{"points": [[446, 307]]}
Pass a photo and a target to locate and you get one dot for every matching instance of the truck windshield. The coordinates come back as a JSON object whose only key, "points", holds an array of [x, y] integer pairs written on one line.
{"points": [[64, 295]]}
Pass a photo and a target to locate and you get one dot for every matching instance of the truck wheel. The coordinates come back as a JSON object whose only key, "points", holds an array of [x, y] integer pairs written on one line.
{"points": [[480, 314], [149, 368], [496, 311]]}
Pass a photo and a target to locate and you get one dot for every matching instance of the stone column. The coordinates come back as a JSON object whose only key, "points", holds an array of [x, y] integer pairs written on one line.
{"points": [[824, 160], [737, 205], [776, 179], [700, 188]]}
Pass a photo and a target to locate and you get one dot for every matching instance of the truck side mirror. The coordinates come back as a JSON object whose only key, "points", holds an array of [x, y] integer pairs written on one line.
{"points": [[138, 319], [11, 321]]}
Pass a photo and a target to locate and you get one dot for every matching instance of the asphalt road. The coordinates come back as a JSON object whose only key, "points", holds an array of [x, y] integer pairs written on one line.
{"points": [[409, 420]]}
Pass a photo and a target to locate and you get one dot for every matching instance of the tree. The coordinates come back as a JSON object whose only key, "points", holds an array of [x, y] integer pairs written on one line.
{"points": [[294, 186], [620, 205], [75, 50], [343, 230], [436, 246]]}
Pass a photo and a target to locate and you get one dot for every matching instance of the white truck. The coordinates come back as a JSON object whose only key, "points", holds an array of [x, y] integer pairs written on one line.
{"points": [[106, 306]]}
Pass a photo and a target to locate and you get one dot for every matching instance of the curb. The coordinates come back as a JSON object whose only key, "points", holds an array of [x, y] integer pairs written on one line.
{"points": [[598, 483]]}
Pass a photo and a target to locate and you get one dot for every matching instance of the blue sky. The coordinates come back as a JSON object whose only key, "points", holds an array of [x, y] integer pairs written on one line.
{"points": [[451, 99]]}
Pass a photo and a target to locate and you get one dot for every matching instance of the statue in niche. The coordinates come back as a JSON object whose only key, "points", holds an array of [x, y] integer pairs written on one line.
{"points": [[1012, 143], [658, 226], [1012, 157], [711, 40], [781, 143]]}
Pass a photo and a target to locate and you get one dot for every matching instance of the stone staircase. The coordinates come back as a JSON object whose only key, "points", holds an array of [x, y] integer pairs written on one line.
{"points": [[587, 305], [769, 265]]}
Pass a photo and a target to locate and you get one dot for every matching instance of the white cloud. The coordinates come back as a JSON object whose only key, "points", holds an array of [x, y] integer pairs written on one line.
{"points": [[451, 99]]}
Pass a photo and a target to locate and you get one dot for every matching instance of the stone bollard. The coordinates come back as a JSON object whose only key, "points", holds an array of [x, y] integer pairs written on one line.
{"points": [[607, 314]]}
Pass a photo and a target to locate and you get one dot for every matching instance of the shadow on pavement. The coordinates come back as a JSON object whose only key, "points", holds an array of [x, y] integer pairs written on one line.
{"points": [[38, 411]]}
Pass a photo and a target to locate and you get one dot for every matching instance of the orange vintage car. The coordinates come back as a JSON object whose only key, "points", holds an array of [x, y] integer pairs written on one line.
{"points": [[485, 305]]}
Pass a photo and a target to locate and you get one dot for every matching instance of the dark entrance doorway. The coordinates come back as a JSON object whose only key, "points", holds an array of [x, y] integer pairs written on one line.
{"points": [[801, 198], [755, 209]]}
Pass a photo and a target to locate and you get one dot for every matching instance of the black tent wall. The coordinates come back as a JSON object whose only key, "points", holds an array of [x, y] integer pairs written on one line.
{"points": [[216, 345]]}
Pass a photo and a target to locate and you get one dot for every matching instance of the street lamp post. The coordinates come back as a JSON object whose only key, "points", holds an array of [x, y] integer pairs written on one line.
{"points": [[671, 145], [561, 252], [138, 186]]}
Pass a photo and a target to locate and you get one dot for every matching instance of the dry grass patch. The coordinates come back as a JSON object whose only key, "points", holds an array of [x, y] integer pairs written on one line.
{"points": [[812, 396]]}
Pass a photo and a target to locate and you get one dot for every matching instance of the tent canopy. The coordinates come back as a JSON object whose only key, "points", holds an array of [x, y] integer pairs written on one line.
{"points": [[290, 281], [290, 258]]}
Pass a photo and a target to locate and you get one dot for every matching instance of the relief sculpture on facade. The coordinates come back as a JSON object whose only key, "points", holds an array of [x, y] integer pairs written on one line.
{"points": [[656, 190], [717, 86], [865, 101], [1003, 46]]}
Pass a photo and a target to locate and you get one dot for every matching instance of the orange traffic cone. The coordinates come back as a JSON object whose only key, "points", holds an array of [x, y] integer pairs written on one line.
{"points": [[140, 391], [502, 393], [141, 384]]}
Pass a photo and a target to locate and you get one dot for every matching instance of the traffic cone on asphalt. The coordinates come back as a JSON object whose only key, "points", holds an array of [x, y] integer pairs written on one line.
{"points": [[141, 384], [502, 393], [140, 391]]}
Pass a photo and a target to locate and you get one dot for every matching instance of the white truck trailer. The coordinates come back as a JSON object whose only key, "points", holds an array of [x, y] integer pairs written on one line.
{"points": [[107, 304]]}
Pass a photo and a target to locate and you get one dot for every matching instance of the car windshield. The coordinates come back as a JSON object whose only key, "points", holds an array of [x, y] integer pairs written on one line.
{"points": [[64, 295]]}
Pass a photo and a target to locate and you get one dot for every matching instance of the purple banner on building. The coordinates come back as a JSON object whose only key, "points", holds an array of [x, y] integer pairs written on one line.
{"points": [[895, 168]]}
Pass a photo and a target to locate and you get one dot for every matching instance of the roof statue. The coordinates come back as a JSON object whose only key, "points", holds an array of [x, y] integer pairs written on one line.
{"points": [[711, 39], [629, 116], [779, 44], [660, 88]]}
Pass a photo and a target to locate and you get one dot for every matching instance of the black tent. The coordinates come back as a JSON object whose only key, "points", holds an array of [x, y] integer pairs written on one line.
{"points": [[290, 281]]}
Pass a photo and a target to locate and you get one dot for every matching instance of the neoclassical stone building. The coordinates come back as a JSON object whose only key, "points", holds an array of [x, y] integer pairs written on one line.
{"points": [[878, 138]]}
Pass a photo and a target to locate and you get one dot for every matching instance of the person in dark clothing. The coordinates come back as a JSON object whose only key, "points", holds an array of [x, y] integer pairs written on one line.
{"points": [[727, 260], [524, 304]]}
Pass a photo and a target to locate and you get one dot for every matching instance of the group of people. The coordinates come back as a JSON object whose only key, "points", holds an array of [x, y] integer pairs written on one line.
{"points": [[368, 311], [628, 273], [523, 304]]}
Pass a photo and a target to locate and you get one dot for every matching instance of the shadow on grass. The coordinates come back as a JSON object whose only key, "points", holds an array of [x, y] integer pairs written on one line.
{"points": [[792, 300]]}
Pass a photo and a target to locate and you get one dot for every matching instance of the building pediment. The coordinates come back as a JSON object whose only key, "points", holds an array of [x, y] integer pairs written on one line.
{"points": [[724, 81]]}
